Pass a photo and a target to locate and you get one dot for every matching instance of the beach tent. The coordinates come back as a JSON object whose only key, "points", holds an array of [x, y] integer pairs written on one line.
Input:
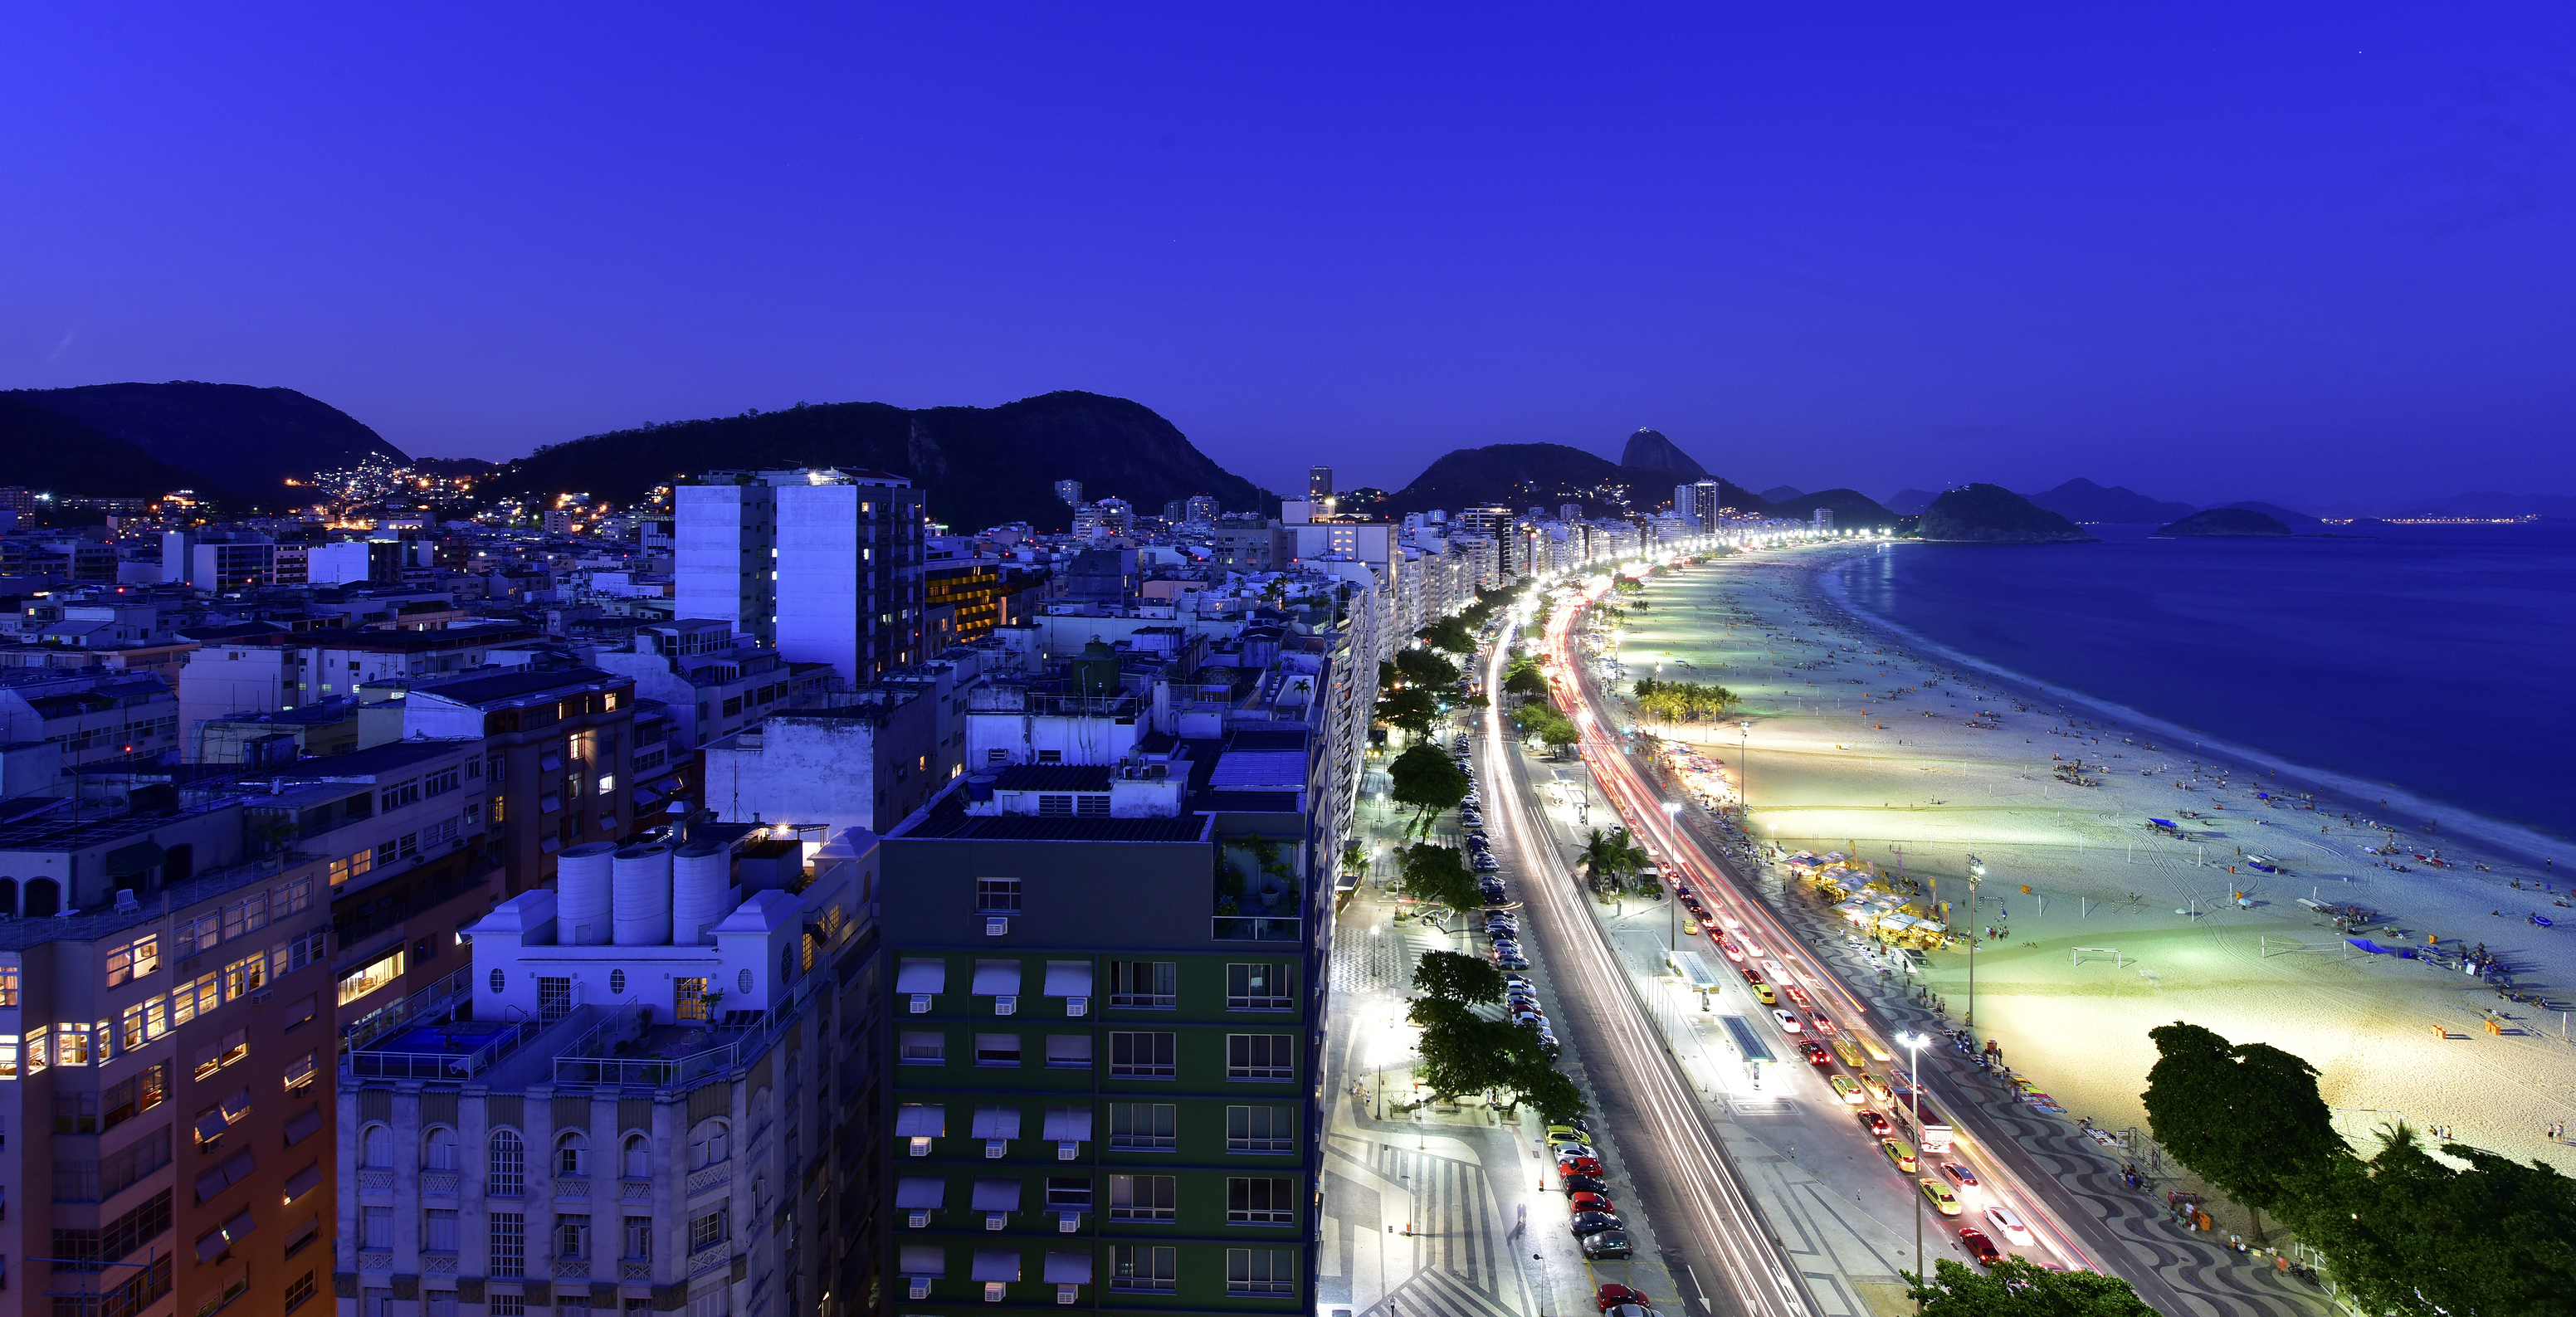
{"points": [[2407, 953]]}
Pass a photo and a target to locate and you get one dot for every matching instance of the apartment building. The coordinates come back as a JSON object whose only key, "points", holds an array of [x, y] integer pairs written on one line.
{"points": [[558, 747], [825, 563], [639, 1114], [165, 1049], [94, 715], [1103, 1034]]}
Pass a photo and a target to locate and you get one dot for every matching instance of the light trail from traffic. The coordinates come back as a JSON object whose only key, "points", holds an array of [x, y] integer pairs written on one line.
{"points": [[1755, 1270], [1639, 809]]}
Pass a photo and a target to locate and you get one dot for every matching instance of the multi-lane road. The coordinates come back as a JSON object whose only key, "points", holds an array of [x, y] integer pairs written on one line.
{"points": [[2066, 1229]]}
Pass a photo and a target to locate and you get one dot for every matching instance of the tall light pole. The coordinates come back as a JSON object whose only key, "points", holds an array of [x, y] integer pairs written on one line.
{"points": [[1976, 874], [1744, 776], [1913, 1042]]}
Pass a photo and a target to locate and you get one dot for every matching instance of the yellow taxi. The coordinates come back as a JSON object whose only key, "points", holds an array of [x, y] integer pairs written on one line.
{"points": [[1876, 1052], [1849, 1053], [1901, 1153], [1846, 1090], [1878, 1089], [1768, 997], [1943, 1201], [1690, 928]]}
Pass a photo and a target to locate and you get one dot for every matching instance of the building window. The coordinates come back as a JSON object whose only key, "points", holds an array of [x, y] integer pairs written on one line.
{"points": [[376, 1146], [572, 1154], [509, 1171], [133, 960], [1069, 1192], [572, 1236], [359, 982], [375, 1227], [710, 1143], [639, 1239], [997, 1049], [438, 1150], [639, 1158], [1143, 1055], [1260, 1056], [1068, 1051], [1260, 1271], [75, 1113], [1258, 987], [1142, 1126], [1055, 807], [1091, 806], [1143, 983], [509, 1244], [1142, 1197], [438, 1230], [1259, 1129], [998, 896], [1050, 756], [1260, 1202], [301, 1291], [707, 1231], [924, 1049], [1146, 1268]]}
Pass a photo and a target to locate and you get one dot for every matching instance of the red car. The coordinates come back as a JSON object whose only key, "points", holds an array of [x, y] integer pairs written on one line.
{"points": [[1978, 1246], [1822, 1024], [1796, 994], [1578, 1166], [1611, 1296], [1590, 1203], [1752, 976], [1816, 1053]]}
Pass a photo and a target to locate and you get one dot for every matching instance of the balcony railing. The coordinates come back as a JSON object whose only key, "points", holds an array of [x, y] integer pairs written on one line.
{"points": [[1257, 928], [425, 1004]]}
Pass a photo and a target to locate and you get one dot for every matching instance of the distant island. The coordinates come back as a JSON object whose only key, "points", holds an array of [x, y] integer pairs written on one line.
{"points": [[1992, 514], [2225, 521]]}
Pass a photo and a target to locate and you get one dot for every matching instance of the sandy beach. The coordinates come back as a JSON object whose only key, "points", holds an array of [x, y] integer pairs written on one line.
{"points": [[1874, 743]]}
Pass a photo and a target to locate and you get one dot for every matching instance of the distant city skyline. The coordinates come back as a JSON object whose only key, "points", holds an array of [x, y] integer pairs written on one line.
{"points": [[2298, 257]]}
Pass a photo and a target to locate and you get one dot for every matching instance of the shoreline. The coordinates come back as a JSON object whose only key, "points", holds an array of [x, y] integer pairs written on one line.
{"points": [[2524, 845]]}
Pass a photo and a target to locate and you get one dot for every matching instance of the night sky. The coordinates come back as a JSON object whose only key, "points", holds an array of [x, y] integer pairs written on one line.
{"points": [[2212, 252]]}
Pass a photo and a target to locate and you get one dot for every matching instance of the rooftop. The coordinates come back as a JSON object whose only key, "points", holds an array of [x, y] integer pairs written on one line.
{"points": [[510, 687]]}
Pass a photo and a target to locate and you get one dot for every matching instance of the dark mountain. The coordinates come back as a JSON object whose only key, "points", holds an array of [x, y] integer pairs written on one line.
{"points": [[982, 466], [1851, 509], [2082, 500], [1649, 450], [1992, 514], [1781, 493], [2226, 521], [1524, 476], [2298, 522], [1910, 502], [233, 436], [51, 453], [452, 467]]}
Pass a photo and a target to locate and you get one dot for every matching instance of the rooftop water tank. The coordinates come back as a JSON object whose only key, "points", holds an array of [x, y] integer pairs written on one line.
{"points": [[642, 895], [701, 890], [581, 894]]}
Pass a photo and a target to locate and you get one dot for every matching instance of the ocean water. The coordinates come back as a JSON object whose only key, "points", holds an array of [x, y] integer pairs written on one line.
{"points": [[2437, 660]]}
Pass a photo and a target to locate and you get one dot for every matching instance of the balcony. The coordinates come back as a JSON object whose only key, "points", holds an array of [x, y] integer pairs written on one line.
{"points": [[572, 1186], [1257, 928]]}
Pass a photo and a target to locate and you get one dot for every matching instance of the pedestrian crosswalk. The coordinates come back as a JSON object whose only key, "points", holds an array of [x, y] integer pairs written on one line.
{"points": [[1464, 1266]]}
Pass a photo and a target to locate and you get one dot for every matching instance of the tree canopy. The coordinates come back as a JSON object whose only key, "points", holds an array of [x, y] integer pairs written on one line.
{"points": [[1451, 634], [1683, 701], [1425, 667], [2407, 1232], [2246, 1117], [2017, 1287], [1525, 678], [1409, 707], [1613, 856], [1540, 719], [1437, 875], [1425, 779], [1450, 976]]}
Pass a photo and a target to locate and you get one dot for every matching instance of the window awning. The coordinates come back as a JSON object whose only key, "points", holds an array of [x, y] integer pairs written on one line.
{"points": [[213, 1244], [997, 1123], [1068, 978], [646, 797], [551, 844], [993, 1194], [922, 976], [211, 1126], [914, 1120], [924, 1260], [1068, 1049], [304, 1125], [997, 1264], [237, 1106], [1068, 1268], [302, 1182], [997, 978], [1068, 1125], [926, 1191], [126, 861]]}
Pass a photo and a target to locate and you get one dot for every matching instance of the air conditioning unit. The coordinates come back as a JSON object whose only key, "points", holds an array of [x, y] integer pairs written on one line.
{"points": [[1065, 1293], [995, 1220], [997, 926], [1006, 1005], [1065, 1152], [994, 1148], [1077, 1006], [920, 1286], [921, 1003], [921, 1220], [1067, 1223]]}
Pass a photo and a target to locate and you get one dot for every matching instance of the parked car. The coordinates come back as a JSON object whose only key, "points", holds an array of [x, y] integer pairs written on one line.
{"points": [[1590, 1202], [1585, 1184], [1608, 1246], [1568, 1166], [1593, 1223], [1978, 1246], [1612, 1295], [1561, 1150]]}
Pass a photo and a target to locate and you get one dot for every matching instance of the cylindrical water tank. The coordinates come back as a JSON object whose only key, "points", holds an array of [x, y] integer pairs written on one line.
{"points": [[701, 884], [581, 894], [641, 890]]}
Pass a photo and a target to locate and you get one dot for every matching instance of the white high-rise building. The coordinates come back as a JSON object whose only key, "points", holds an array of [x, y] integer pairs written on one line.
{"points": [[827, 564]]}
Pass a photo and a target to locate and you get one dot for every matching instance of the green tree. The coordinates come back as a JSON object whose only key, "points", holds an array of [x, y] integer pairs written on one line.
{"points": [[2246, 1117], [1526, 679], [2017, 1287], [1425, 667], [1436, 875], [1425, 779], [1409, 707], [2407, 1232], [1450, 976], [1451, 634]]}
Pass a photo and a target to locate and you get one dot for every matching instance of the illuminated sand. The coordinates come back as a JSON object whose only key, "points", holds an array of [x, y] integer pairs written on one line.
{"points": [[2365, 1021]]}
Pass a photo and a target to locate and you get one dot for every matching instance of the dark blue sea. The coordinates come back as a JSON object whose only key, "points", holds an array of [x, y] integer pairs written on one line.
{"points": [[2440, 660]]}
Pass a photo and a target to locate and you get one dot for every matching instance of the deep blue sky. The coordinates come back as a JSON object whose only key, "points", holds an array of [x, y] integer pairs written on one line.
{"points": [[2209, 254]]}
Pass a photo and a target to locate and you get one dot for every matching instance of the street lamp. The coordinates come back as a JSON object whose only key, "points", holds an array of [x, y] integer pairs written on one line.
{"points": [[1913, 1042], [1744, 774], [1976, 874]]}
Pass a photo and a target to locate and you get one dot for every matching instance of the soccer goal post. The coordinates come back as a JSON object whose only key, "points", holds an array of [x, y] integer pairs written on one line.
{"points": [[2076, 957]]}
